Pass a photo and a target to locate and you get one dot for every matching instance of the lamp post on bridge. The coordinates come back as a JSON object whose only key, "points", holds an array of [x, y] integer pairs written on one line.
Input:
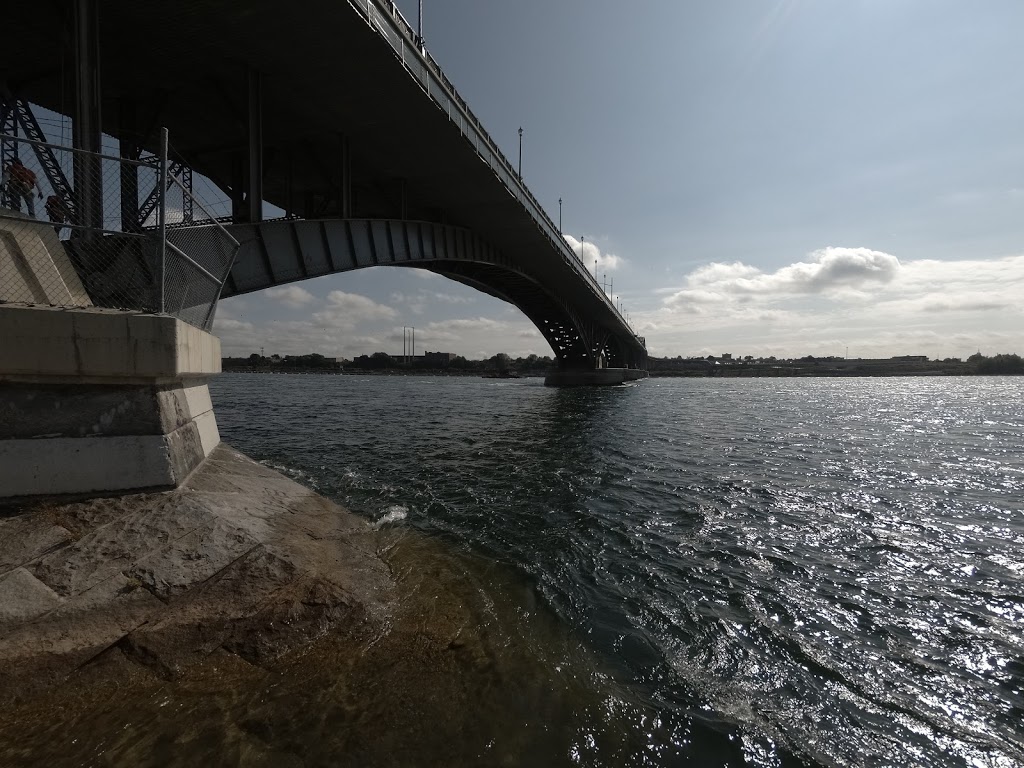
{"points": [[520, 153], [560, 218]]}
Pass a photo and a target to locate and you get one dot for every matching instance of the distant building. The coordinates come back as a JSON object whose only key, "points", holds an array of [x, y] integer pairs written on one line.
{"points": [[438, 359]]}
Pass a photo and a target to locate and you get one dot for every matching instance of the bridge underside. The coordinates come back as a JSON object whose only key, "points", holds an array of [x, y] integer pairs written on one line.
{"points": [[330, 111], [279, 252]]}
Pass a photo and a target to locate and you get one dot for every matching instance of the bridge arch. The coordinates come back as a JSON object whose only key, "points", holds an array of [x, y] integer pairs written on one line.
{"points": [[290, 250]]}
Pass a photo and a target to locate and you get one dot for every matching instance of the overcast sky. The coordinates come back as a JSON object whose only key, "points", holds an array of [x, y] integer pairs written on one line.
{"points": [[766, 177]]}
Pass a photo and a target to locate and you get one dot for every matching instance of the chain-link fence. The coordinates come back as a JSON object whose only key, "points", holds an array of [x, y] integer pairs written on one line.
{"points": [[82, 229], [198, 254]]}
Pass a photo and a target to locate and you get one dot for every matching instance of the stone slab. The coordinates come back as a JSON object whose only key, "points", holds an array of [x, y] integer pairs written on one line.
{"points": [[24, 597], [22, 541]]}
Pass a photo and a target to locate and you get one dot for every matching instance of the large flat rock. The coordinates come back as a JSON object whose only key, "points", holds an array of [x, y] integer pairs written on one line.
{"points": [[240, 560]]}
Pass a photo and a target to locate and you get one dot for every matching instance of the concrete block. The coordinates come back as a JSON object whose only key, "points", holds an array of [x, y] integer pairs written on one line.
{"points": [[184, 451], [146, 400], [173, 408], [36, 341], [101, 343], [24, 597], [76, 410], [86, 464], [198, 398], [42, 341], [34, 265], [153, 342], [199, 351], [72, 283], [209, 434]]}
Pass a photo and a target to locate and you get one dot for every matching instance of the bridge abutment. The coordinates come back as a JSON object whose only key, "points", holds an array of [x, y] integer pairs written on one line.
{"points": [[95, 400]]}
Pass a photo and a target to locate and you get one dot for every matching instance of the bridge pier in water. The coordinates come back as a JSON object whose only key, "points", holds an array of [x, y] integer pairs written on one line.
{"points": [[596, 377]]}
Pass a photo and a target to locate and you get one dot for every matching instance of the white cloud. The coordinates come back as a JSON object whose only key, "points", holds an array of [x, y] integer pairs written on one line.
{"points": [[865, 299], [829, 270], [606, 262], [420, 301], [291, 296], [346, 310]]}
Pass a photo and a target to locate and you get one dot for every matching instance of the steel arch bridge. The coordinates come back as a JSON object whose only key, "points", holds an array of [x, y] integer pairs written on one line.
{"points": [[334, 112], [285, 251]]}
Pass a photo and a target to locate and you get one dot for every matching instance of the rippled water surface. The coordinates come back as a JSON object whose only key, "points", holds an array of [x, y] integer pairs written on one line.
{"points": [[774, 571]]}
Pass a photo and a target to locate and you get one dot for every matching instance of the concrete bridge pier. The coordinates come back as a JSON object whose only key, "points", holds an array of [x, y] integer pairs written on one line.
{"points": [[95, 400], [92, 400], [594, 377]]}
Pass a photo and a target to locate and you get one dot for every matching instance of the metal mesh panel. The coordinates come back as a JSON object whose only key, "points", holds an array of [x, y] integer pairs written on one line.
{"points": [[70, 234], [199, 253], [81, 229]]}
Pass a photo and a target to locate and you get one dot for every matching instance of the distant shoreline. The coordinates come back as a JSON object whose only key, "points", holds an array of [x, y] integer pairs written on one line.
{"points": [[729, 373], [384, 372]]}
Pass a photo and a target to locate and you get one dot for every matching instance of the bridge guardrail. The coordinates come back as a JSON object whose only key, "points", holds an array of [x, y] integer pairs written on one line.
{"points": [[83, 229], [387, 19]]}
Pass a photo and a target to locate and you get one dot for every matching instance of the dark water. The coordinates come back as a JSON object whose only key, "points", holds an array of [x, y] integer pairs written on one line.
{"points": [[771, 572]]}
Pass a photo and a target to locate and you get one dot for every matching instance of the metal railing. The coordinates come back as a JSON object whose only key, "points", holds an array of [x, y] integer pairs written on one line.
{"points": [[387, 19], [86, 242]]}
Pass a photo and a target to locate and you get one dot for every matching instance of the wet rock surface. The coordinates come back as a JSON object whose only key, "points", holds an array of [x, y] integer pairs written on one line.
{"points": [[244, 620], [239, 560]]}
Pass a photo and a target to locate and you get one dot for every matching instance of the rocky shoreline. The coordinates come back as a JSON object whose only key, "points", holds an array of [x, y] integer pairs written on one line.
{"points": [[243, 619]]}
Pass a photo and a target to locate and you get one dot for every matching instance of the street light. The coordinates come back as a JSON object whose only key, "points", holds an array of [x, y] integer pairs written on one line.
{"points": [[560, 217], [520, 153]]}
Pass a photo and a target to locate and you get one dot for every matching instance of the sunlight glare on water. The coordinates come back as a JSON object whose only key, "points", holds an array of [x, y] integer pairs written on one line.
{"points": [[774, 571]]}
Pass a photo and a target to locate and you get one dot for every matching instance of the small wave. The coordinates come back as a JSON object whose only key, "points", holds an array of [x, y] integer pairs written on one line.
{"points": [[392, 514]]}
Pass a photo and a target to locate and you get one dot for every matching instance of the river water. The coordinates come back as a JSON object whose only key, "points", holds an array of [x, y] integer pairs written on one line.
{"points": [[765, 572]]}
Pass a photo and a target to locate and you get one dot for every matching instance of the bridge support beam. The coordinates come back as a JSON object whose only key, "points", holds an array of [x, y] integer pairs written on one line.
{"points": [[129, 149], [254, 187], [86, 126], [345, 196]]}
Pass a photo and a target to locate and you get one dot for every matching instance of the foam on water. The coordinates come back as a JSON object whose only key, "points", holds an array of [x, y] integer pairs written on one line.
{"points": [[392, 514]]}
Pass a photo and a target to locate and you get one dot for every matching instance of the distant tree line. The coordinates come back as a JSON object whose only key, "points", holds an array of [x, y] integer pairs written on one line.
{"points": [[997, 365], [809, 365], [500, 362], [1002, 364], [304, 362], [436, 361]]}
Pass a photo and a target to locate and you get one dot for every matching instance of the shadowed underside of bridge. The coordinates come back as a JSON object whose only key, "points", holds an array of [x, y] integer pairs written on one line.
{"points": [[330, 110], [279, 252]]}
